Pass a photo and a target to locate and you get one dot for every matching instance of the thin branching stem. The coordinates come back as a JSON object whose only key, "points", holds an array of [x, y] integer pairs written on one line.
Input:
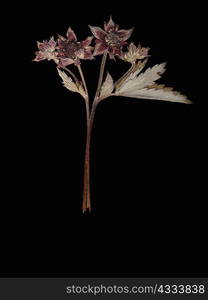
{"points": [[83, 80], [86, 92], [102, 68], [72, 74], [123, 77], [96, 99]]}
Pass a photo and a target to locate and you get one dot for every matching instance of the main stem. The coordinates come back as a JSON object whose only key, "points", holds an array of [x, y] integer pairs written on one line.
{"points": [[86, 203]]}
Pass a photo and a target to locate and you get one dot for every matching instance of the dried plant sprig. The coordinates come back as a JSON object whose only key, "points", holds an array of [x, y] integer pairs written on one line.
{"points": [[111, 42]]}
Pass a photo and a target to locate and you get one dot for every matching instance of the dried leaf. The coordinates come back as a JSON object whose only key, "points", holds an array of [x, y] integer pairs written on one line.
{"points": [[143, 80], [107, 87], [81, 91], [144, 87], [67, 81], [157, 94], [70, 85]]}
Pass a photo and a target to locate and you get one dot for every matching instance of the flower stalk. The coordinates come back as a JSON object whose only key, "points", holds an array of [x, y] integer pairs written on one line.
{"points": [[86, 202]]}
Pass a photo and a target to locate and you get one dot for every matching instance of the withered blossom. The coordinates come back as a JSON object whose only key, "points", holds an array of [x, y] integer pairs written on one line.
{"points": [[47, 50], [70, 51], [111, 39], [135, 53]]}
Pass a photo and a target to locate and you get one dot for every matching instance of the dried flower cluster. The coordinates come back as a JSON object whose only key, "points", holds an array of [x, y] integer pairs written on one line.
{"points": [[110, 42]]}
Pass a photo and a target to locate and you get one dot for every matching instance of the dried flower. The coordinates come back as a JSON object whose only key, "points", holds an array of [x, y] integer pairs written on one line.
{"points": [[133, 84], [47, 50], [70, 51], [135, 53], [110, 39]]}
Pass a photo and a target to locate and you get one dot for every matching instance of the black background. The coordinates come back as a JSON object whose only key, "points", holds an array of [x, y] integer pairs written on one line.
{"points": [[148, 157]]}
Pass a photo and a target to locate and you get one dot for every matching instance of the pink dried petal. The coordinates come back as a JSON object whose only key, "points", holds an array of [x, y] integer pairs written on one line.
{"points": [[98, 32], [86, 53], [124, 43], [52, 43], [100, 47], [61, 38], [117, 52], [71, 36], [110, 26], [125, 34], [39, 56], [45, 45], [61, 43], [65, 62], [42, 45], [87, 41]]}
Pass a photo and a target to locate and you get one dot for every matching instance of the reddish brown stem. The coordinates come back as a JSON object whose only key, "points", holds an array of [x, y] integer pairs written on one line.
{"points": [[86, 203]]}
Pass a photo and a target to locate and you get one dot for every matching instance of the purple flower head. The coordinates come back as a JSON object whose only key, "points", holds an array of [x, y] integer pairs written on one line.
{"points": [[111, 39], [70, 51], [47, 50]]}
